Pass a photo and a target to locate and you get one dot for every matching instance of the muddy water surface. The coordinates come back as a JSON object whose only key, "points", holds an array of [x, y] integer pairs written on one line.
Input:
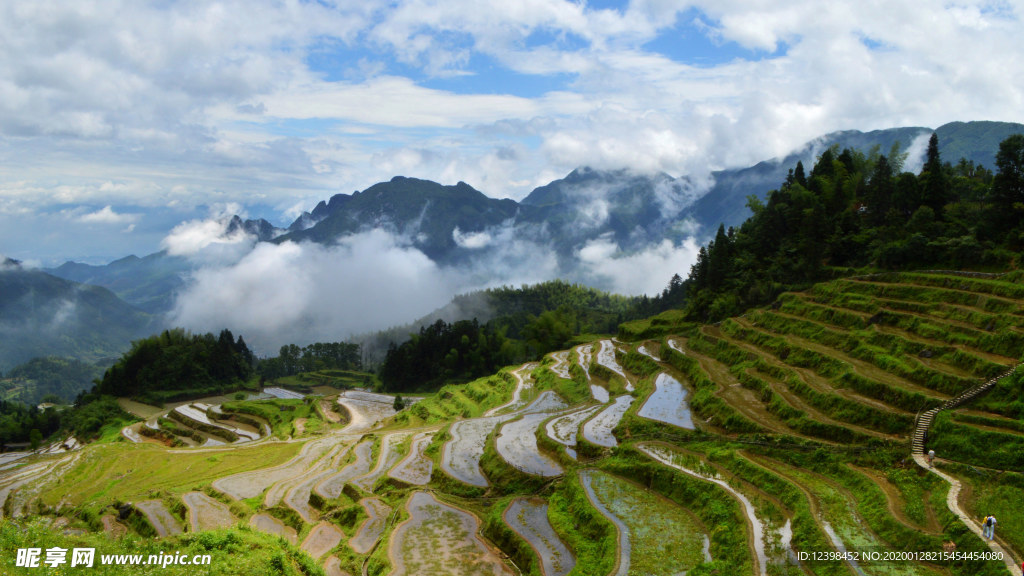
{"points": [[598, 430], [389, 456], [564, 428], [440, 539], [331, 486], [606, 358], [517, 444], [322, 539], [205, 513], [668, 403], [162, 521], [460, 457], [249, 484], [416, 468], [270, 525], [373, 527], [528, 517]]}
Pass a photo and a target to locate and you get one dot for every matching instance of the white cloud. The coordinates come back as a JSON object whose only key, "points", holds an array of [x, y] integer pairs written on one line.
{"points": [[644, 272], [182, 104], [208, 240], [278, 294], [471, 240], [107, 215]]}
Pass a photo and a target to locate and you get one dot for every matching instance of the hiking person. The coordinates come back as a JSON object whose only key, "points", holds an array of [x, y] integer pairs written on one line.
{"points": [[931, 458], [989, 527]]}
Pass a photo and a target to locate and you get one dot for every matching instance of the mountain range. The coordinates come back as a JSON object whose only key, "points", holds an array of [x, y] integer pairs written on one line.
{"points": [[456, 224]]}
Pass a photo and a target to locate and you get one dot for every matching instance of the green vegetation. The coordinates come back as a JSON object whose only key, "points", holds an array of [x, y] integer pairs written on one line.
{"points": [[232, 551], [279, 413], [49, 379], [320, 356], [176, 365], [857, 209], [85, 421]]}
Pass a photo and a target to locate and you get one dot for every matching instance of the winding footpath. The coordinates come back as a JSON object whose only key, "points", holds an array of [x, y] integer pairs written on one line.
{"points": [[953, 496]]}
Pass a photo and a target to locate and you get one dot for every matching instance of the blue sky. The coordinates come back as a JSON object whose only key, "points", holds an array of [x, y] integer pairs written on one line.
{"points": [[120, 120]]}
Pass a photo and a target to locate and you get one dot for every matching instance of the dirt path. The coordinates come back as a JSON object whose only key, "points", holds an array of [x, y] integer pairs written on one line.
{"points": [[953, 502], [328, 412]]}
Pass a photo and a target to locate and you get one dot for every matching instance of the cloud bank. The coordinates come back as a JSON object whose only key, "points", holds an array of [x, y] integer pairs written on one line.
{"points": [[141, 106]]}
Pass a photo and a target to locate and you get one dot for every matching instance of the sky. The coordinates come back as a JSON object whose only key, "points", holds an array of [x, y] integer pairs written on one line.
{"points": [[121, 120]]}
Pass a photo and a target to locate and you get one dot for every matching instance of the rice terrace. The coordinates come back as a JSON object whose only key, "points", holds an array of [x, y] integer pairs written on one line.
{"points": [[779, 442]]}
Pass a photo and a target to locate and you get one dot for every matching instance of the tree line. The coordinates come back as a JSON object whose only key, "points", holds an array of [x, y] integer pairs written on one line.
{"points": [[176, 363], [858, 210], [292, 359]]}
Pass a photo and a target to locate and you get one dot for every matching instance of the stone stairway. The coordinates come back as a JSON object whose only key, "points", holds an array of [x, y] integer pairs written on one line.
{"points": [[925, 419]]}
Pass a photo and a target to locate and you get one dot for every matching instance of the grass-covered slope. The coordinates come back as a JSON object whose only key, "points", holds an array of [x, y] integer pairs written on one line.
{"points": [[784, 440]]}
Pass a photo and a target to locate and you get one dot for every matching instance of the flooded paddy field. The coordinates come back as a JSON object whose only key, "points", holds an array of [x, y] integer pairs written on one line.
{"points": [[416, 467], [389, 456], [606, 358], [668, 403], [561, 365], [372, 528], [663, 538], [438, 538], [205, 513], [323, 538], [523, 383], [331, 486], [162, 521], [460, 457], [666, 456], [365, 409], [250, 484], [270, 525], [598, 430], [517, 444], [564, 429], [528, 517]]}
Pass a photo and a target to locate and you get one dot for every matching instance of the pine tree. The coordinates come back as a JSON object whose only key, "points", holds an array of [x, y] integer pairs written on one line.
{"points": [[936, 188]]}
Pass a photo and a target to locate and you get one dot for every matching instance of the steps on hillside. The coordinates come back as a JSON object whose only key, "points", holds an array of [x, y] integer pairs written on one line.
{"points": [[925, 419]]}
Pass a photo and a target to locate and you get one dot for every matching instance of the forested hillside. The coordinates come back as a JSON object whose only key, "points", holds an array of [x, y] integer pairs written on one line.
{"points": [[857, 209], [177, 364]]}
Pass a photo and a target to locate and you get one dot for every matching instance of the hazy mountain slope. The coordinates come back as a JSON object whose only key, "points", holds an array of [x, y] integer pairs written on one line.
{"points": [[424, 211], [42, 315]]}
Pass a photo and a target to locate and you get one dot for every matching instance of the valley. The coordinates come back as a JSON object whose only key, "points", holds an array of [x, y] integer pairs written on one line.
{"points": [[737, 447]]}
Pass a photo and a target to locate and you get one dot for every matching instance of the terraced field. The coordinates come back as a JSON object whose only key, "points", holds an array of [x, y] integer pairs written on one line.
{"points": [[788, 441]]}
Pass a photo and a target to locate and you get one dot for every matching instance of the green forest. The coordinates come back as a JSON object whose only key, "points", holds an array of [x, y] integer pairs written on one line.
{"points": [[176, 364], [860, 210]]}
